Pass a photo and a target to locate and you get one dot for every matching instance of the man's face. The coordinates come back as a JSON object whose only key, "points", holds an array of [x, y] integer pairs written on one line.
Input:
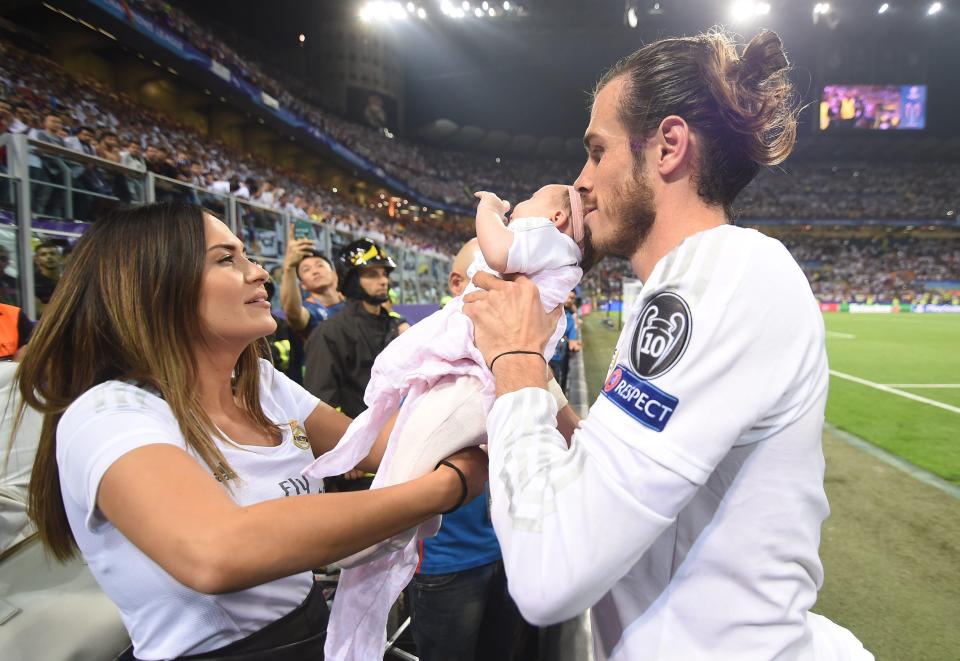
{"points": [[315, 274], [47, 258], [617, 198], [134, 148], [374, 281], [571, 300], [195, 169], [52, 124], [152, 153], [6, 112], [85, 136], [110, 142]]}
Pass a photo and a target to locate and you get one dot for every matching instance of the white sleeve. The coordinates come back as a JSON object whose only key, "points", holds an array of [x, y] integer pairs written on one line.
{"points": [[291, 396], [99, 429], [572, 522]]}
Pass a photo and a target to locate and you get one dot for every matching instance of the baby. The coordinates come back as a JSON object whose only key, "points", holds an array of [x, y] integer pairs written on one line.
{"points": [[436, 372]]}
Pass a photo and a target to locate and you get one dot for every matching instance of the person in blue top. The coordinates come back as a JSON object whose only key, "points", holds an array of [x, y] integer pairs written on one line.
{"points": [[308, 296], [569, 343], [460, 607]]}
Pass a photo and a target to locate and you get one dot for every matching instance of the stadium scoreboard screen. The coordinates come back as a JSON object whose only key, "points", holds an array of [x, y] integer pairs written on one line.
{"points": [[873, 107]]}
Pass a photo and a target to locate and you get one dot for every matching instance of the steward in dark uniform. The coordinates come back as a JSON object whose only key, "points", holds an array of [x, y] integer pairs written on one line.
{"points": [[341, 351]]}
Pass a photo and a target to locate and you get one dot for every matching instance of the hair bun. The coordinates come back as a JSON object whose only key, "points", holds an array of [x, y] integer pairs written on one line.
{"points": [[763, 57]]}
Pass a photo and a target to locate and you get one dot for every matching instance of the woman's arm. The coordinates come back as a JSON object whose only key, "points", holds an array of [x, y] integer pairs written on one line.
{"points": [[326, 426], [173, 510], [492, 234]]}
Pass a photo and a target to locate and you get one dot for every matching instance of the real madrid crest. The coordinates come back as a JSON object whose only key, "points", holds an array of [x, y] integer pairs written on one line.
{"points": [[300, 438], [661, 336]]}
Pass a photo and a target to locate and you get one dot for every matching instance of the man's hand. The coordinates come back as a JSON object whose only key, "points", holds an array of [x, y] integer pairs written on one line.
{"points": [[575, 346], [491, 202], [508, 316], [297, 249]]}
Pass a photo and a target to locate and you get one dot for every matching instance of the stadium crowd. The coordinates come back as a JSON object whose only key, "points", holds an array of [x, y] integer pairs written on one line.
{"points": [[81, 113], [41, 99], [880, 268]]}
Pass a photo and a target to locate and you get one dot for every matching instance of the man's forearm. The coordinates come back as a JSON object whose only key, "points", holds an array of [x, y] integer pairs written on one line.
{"points": [[290, 299]]}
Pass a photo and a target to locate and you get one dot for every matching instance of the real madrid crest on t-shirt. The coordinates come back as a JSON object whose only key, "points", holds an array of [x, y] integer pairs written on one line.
{"points": [[661, 336], [300, 438]]}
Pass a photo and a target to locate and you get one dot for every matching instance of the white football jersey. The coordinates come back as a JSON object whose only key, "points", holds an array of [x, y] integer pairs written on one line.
{"points": [[686, 512]]}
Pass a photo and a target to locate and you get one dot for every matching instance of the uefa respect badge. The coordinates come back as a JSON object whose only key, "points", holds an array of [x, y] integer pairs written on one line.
{"points": [[639, 399]]}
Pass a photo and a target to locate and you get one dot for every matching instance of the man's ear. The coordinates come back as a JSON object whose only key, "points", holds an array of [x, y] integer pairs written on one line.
{"points": [[674, 146]]}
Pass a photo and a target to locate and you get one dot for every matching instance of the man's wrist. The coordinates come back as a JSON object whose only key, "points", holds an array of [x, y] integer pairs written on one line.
{"points": [[517, 371]]}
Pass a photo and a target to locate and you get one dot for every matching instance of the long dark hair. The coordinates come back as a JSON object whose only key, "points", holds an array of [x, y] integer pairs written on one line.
{"points": [[126, 308]]}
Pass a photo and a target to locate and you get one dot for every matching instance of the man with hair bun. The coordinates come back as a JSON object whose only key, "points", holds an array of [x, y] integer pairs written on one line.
{"points": [[686, 511]]}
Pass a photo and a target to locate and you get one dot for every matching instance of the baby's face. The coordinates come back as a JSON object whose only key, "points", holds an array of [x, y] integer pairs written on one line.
{"points": [[548, 202]]}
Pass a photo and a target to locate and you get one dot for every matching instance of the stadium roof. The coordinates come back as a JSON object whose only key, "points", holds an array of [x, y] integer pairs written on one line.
{"points": [[530, 72]]}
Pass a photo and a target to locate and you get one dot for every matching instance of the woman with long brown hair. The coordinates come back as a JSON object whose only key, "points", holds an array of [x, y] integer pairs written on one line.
{"points": [[171, 452]]}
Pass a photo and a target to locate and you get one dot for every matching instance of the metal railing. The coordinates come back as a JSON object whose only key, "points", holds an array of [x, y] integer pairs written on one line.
{"points": [[51, 191]]}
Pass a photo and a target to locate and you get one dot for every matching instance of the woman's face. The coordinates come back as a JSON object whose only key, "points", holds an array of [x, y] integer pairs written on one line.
{"points": [[234, 307]]}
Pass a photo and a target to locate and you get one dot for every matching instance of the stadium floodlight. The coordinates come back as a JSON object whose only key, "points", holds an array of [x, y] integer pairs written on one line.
{"points": [[632, 17], [821, 9], [478, 12], [506, 6], [884, 8], [422, 13], [935, 8], [465, 6], [491, 12], [745, 10], [302, 38], [485, 6], [397, 11], [411, 8]]}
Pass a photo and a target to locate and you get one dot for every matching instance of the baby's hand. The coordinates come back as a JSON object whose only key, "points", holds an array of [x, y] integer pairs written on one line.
{"points": [[490, 202]]}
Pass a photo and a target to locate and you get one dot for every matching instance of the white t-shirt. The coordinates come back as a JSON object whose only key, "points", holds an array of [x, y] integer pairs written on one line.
{"points": [[165, 618], [687, 510]]}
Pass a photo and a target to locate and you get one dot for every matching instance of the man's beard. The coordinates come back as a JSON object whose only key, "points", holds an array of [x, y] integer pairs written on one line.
{"points": [[632, 214]]}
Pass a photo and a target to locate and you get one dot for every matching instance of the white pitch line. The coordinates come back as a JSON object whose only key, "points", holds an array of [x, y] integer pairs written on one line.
{"points": [[894, 391], [923, 385], [842, 336]]}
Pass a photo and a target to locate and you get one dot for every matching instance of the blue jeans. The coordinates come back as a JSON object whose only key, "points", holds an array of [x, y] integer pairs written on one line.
{"points": [[465, 616]]}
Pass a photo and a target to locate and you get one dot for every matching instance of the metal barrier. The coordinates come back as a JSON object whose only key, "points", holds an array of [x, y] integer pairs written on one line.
{"points": [[48, 191]]}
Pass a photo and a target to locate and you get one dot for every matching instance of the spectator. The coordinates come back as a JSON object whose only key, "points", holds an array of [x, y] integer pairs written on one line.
{"points": [[341, 351], [48, 266], [308, 295], [15, 330], [109, 147], [47, 170]]}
